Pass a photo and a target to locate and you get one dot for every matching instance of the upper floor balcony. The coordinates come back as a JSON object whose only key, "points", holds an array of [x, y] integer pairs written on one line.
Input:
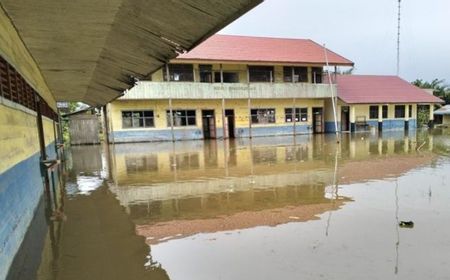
{"points": [[196, 90]]}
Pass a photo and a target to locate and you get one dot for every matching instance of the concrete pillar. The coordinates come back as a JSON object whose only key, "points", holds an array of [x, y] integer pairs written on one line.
{"points": [[380, 117], [249, 105], [171, 120], [431, 112], [352, 118], [310, 80]]}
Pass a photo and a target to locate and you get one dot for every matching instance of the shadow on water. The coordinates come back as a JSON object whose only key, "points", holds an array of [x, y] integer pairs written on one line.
{"points": [[122, 202]]}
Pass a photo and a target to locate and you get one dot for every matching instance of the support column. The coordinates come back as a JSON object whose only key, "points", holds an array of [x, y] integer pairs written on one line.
{"points": [[223, 120], [41, 136], [380, 117], [431, 112], [105, 124], [352, 118], [171, 120], [293, 105], [249, 105], [223, 104], [40, 128], [294, 116]]}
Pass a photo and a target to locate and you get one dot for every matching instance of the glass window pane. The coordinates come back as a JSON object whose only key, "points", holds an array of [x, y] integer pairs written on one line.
{"points": [[149, 122], [138, 122], [126, 114], [126, 122], [183, 121], [191, 113], [191, 120], [137, 114], [148, 113]]}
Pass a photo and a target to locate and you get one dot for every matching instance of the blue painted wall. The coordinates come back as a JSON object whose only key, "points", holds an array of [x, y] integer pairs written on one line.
{"points": [[21, 189], [330, 127], [393, 124], [388, 124], [196, 133], [259, 131], [156, 135]]}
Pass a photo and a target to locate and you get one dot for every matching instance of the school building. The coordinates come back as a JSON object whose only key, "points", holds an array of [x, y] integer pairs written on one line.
{"points": [[378, 103], [240, 86]]}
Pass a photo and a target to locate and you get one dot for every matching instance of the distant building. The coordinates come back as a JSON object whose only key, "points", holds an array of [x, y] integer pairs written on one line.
{"points": [[442, 115], [378, 103], [84, 127], [239, 86]]}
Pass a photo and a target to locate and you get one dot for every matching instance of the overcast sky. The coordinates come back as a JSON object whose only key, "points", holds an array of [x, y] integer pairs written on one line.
{"points": [[364, 31]]}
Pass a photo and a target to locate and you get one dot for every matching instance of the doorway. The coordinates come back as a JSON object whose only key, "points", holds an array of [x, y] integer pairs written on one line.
{"points": [[345, 118], [229, 116], [209, 124], [317, 120]]}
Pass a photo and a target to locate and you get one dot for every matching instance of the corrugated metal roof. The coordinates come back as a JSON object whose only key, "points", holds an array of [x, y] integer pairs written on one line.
{"points": [[91, 51], [443, 111], [262, 49], [366, 89]]}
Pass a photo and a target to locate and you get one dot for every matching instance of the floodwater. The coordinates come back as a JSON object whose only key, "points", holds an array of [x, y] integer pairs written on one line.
{"points": [[269, 208]]}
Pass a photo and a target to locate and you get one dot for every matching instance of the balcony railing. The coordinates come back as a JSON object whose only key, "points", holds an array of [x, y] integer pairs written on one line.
{"points": [[195, 90]]}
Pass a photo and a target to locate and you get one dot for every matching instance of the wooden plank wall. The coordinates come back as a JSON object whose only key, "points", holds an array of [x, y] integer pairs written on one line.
{"points": [[84, 130]]}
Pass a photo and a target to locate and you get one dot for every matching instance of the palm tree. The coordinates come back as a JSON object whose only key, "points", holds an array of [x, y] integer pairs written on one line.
{"points": [[440, 89]]}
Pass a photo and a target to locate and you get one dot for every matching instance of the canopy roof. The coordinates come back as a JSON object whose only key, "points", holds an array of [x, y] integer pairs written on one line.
{"points": [[91, 51], [263, 49], [366, 89], [445, 110]]}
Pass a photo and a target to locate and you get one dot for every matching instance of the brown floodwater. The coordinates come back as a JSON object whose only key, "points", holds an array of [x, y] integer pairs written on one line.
{"points": [[267, 208]]}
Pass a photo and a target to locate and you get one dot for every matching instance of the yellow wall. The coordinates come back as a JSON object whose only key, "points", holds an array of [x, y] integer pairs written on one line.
{"points": [[14, 51], [446, 119], [19, 136], [240, 107], [362, 110]]}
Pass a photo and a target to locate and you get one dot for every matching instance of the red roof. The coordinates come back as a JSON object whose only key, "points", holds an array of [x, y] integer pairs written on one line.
{"points": [[262, 49], [362, 89]]}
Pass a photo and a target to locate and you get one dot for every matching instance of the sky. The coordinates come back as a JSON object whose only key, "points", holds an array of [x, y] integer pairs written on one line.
{"points": [[363, 31]]}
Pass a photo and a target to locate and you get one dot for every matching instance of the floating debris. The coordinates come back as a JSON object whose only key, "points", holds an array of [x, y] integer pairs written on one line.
{"points": [[406, 224]]}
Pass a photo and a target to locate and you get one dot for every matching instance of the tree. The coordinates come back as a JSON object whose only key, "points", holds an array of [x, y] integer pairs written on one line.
{"points": [[440, 89]]}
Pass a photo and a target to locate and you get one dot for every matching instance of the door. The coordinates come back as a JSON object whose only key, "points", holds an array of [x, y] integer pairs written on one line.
{"points": [[345, 118], [317, 120], [209, 124], [229, 114]]}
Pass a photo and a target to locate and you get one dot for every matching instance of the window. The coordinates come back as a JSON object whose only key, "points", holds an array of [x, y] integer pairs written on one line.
{"points": [[317, 75], [132, 119], [373, 112], [385, 111], [399, 111], [262, 116], [205, 73], [260, 73], [228, 77], [300, 74], [181, 117], [301, 114], [185, 161], [180, 73], [137, 164], [410, 111]]}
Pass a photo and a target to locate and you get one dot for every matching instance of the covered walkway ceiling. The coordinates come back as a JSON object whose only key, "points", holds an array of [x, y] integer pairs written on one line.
{"points": [[90, 50]]}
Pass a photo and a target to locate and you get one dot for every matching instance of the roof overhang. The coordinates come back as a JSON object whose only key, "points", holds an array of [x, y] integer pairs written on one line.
{"points": [[258, 62], [91, 51]]}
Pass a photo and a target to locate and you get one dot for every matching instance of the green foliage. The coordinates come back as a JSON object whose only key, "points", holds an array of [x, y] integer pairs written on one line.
{"points": [[440, 89], [73, 106], [423, 115]]}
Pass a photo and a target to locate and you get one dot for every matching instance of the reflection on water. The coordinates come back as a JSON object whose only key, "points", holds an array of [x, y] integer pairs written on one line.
{"points": [[275, 207]]}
